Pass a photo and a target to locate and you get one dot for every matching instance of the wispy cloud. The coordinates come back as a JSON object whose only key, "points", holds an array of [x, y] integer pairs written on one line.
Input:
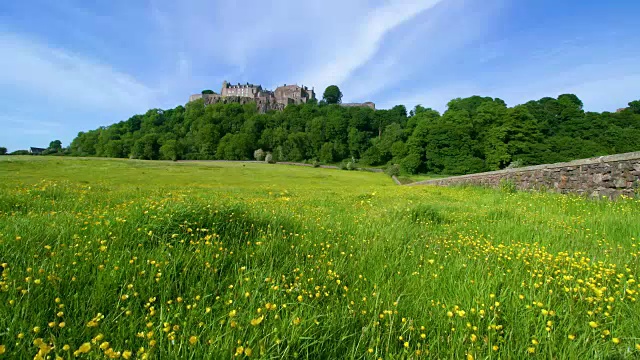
{"points": [[360, 44], [37, 69], [411, 54], [279, 41], [89, 64]]}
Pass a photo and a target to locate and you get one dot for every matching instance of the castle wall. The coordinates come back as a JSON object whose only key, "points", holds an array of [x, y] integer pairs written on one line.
{"points": [[265, 100], [195, 97], [608, 176], [365, 104], [263, 104]]}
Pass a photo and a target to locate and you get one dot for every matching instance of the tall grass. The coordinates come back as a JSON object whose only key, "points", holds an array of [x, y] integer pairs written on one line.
{"points": [[132, 259]]}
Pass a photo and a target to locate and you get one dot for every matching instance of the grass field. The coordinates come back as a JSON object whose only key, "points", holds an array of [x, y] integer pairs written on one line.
{"points": [[131, 259]]}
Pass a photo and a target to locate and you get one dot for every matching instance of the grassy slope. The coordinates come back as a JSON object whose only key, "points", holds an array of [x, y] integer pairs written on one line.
{"points": [[287, 261]]}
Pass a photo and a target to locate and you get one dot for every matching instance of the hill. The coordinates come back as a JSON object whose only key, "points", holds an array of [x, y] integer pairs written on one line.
{"points": [[474, 134]]}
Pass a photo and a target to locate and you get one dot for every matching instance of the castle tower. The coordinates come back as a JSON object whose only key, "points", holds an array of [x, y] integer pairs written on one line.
{"points": [[225, 85]]}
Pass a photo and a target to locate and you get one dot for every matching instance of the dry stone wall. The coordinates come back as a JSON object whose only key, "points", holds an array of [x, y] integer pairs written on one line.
{"points": [[609, 176]]}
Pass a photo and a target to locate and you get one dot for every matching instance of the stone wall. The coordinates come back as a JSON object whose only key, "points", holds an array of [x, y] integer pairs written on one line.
{"points": [[195, 97], [365, 104], [609, 176], [263, 104]]}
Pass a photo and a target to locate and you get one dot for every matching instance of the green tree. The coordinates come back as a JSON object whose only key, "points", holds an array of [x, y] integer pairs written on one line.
{"points": [[147, 147], [3, 150], [55, 145], [327, 153], [85, 143], [332, 95], [208, 92], [450, 147], [474, 134], [235, 147], [114, 149], [171, 150]]}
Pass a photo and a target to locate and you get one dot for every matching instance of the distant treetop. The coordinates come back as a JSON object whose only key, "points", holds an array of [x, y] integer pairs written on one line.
{"points": [[332, 95]]}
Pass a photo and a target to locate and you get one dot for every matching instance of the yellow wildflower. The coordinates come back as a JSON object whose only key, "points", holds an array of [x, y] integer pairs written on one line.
{"points": [[257, 321], [239, 351]]}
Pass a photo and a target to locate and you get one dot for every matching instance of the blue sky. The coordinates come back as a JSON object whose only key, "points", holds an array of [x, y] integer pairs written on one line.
{"points": [[68, 66]]}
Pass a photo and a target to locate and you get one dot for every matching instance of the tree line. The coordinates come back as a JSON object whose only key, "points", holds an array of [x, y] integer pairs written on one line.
{"points": [[474, 134]]}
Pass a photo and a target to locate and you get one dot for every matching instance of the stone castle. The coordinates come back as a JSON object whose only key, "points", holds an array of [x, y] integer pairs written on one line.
{"points": [[265, 99]]}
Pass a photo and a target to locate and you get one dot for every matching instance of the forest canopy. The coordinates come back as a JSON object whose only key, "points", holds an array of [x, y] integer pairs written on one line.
{"points": [[474, 134]]}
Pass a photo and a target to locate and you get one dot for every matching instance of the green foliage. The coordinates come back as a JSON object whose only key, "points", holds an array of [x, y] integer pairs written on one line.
{"points": [[327, 153], [351, 165], [475, 134], [208, 92], [146, 148], [332, 95], [170, 150], [55, 145], [411, 163], [514, 164], [21, 152], [3, 150], [507, 186], [392, 170]]}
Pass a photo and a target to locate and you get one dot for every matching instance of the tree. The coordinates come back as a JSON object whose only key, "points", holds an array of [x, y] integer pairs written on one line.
{"points": [[474, 134], [170, 150], [327, 153], [208, 92], [21, 152], [114, 149], [55, 145], [146, 147], [332, 95], [3, 150], [259, 155]]}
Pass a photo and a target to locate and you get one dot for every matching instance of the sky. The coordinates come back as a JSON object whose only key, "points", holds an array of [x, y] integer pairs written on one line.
{"points": [[73, 65]]}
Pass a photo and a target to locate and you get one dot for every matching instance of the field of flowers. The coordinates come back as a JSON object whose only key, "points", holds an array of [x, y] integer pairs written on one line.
{"points": [[159, 260]]}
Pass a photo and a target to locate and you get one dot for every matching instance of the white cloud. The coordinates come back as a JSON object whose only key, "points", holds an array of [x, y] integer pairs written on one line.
{"points": [[313, 43], [40, 70], [409, 54], [360, 44]]}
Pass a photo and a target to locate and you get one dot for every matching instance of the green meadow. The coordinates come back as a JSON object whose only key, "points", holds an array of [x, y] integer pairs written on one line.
{"points": [[229, 260]]}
